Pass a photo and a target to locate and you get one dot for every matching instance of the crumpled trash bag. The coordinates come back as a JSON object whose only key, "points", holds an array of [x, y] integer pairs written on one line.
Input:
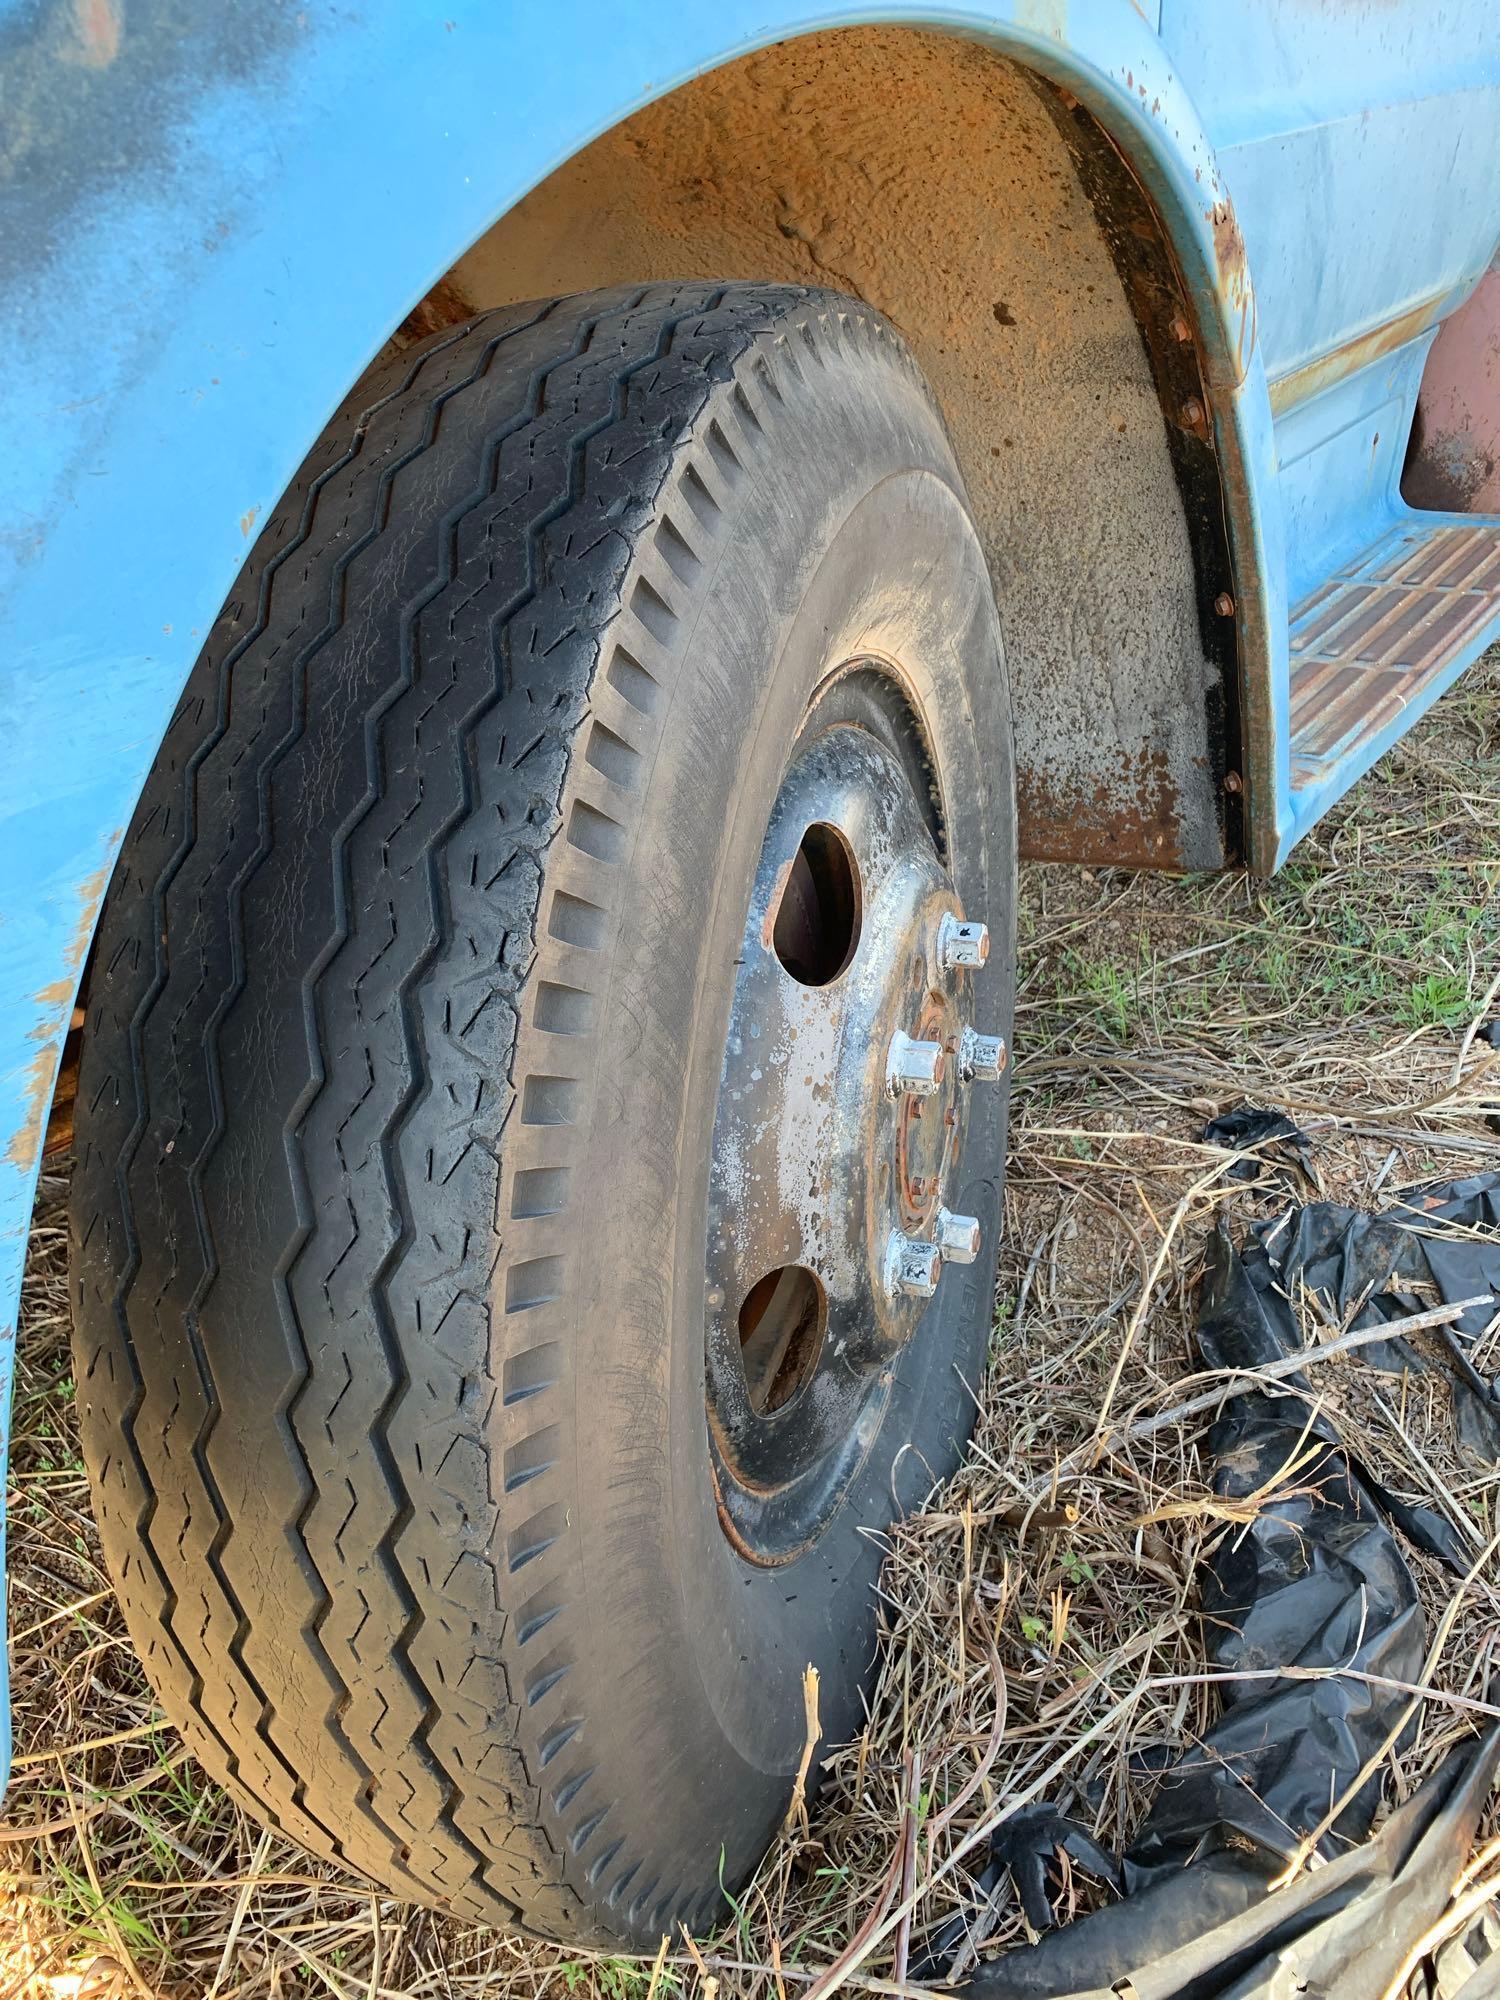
{"points": [[1025, 1848], [1279, 1143], [1317, 1581], [1317, 1245], [1212, 1932], [1396, 1263]]}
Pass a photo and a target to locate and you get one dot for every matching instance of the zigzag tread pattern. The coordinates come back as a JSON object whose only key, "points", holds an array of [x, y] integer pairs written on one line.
{"points": [[316, 1208]]}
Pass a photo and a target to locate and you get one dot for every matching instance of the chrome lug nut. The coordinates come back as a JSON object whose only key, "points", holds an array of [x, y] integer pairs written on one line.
{"points": [[958, 1237], [981, 1058], [911, 1266], [961, 943], [915, 1067]]}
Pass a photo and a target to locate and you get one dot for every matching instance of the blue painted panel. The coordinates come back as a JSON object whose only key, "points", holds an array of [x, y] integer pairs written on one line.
{"points": [[1361, 142], [1340, 456]]}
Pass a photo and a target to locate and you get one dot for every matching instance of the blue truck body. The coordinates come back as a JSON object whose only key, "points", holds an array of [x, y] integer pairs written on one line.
{"points": [[212, 222]]}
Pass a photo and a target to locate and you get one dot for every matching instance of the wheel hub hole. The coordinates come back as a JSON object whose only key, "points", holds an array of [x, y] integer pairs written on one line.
{"points": [[781, 1335], [817, 919]]}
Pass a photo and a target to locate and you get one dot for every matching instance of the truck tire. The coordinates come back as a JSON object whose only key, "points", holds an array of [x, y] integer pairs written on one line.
{"points": [[604, 753]]}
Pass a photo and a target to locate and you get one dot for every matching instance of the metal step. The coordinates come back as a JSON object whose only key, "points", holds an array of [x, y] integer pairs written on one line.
{"points": [[1379, 640]]}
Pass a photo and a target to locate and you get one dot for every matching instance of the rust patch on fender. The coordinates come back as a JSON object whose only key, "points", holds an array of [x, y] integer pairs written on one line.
{"points": [[1233, 277], [1137, 821], [56, 1003], [1453, 461], [1147, 812], [1229, 244]]}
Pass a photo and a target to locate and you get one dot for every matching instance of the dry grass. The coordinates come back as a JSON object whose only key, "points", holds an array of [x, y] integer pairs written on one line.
{"points": [[1347, 990]]}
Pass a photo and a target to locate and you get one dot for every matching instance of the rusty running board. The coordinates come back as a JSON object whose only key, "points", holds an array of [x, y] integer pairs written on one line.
{"points": [[1378, 641]]}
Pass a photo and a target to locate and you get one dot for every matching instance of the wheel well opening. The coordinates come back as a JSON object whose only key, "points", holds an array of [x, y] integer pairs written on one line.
{"points": [[944, 184]]}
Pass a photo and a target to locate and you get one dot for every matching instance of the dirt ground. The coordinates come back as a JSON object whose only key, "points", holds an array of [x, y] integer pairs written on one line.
{"points": [[1348, 991]]}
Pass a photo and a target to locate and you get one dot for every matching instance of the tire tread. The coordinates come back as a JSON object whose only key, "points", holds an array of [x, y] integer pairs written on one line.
{"points": [[400, 1751]]}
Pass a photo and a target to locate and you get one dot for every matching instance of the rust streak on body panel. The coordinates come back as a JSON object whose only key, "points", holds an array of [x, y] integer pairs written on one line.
{"points": [[56, 1002], [1299, 384], [1233, 279]]}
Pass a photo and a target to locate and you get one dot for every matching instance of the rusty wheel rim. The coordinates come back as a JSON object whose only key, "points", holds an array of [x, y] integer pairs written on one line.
{"points": [[840, 1126]]}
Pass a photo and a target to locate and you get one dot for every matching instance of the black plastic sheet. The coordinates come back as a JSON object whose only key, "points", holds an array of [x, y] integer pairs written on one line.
{"points": [[1213, 1932], [1314, 1606], [1273, 1138], [1373, 1269]]}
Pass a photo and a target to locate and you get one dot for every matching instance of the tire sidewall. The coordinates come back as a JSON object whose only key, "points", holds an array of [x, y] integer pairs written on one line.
{"points": [[849, 540]]}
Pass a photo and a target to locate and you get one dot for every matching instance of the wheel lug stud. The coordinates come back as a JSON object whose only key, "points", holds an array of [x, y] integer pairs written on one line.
{"points": [[981, 1058], [911, 1266], [961, 943], [915, 1067], [958, 1237]]}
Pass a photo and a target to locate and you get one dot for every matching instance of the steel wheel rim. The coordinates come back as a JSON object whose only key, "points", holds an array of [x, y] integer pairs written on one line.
{"points": [[849, 1070]]}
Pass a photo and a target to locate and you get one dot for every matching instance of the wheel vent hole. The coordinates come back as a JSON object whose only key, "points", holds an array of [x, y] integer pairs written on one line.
{"points": [[817, 919], [781, 1335]]}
